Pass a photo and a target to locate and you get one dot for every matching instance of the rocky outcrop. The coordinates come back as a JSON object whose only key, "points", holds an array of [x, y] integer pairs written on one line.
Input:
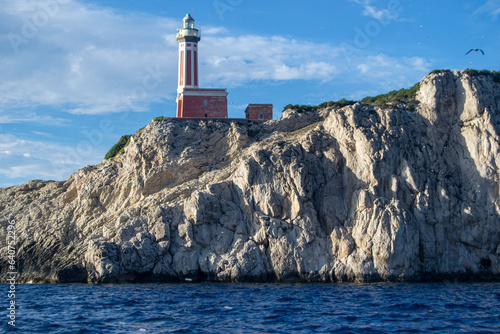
{"points": [[353, 194]]}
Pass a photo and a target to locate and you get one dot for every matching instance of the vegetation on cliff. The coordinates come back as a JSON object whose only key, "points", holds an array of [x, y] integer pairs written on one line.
{"points": [[494, 74], [118, 148], [406, 96], [475, 73], [307, 108]]}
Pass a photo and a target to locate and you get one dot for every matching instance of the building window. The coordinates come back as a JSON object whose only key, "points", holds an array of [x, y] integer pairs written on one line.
{"points": [[261, 116], [205, 103]]}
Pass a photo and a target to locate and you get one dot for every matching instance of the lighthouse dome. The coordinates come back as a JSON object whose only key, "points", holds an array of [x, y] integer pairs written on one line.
{"points": [[188, 22]]}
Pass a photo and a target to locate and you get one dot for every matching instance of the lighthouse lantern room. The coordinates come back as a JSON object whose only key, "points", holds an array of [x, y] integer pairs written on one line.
{"points": [[191, 100]]}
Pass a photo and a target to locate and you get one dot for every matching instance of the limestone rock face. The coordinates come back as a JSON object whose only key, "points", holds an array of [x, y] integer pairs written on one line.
{"points": [[353, 194]]}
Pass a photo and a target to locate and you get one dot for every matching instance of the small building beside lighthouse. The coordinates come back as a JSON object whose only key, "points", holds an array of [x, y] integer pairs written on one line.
{"points": [[259, 112], [192, 101]]}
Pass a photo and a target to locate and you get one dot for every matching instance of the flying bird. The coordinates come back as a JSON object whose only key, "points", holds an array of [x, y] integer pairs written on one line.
{"points": [[475, 50]]}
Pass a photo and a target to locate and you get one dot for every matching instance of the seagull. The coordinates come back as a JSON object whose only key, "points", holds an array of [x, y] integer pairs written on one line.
{"points": [[475, 50]]}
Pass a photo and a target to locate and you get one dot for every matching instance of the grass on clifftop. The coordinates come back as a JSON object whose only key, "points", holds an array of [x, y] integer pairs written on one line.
{"points": [[407, 96], [307, 108], [118, 148], [475, 73], [494, 74]]}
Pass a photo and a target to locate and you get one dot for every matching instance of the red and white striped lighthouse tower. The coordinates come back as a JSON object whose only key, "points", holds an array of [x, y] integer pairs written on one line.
{"points": [[188, 38], [191, 100]]}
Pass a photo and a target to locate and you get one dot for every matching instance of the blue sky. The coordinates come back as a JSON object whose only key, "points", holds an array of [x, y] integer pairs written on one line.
{"points": [[75, 75]]}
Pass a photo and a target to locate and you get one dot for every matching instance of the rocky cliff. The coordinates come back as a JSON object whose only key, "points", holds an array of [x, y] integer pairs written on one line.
{"points": [[352, 194]]}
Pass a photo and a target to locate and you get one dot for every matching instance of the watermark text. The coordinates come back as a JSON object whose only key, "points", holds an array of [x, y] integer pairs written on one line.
{"points": [[224, 6], [12, 272]]}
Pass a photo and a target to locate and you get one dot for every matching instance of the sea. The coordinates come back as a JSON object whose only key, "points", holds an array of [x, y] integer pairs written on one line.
{"points": [[256, 308]]}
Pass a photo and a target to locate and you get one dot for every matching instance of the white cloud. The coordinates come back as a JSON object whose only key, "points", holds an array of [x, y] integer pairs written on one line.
{"points": [[363, 68], [32, 118], [384, 66], [30, 159], [418, 64], [491, 7], [267, 58], [379, 14], [44, 134], [387, 73], [382, 14]]}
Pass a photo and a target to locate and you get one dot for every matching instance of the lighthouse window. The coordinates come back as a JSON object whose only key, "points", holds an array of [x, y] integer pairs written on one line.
{"points": [[261, 116], [204, 103]]}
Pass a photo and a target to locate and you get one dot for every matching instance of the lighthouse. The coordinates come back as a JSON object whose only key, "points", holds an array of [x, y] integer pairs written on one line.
{"points": [[188, 38], [192, 101]]}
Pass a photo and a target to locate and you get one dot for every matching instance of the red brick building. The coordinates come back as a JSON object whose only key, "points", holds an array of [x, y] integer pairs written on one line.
{"points": [[193, 101], [259, 112]]}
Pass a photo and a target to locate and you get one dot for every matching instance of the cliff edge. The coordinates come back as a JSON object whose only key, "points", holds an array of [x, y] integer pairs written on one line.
{"points": [[360, 193]]}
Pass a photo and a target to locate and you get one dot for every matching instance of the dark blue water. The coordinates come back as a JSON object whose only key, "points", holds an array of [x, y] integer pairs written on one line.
{"points": [[257, 308]]}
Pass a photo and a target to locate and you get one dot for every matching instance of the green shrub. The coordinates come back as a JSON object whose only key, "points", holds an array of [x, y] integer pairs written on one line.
{"points": [[159, 118], [404, 95], [138, 132], [496, 77], [440, 71], [308, 108], [339, 104], [118, 148], [301, 108], [474, 73]]}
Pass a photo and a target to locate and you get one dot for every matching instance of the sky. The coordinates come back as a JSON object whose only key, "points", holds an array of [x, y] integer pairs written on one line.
{"points": [[76, 75]]}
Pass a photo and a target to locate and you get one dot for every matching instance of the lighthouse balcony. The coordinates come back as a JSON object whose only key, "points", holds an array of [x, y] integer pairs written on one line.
{"points": [[183, 33]]}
